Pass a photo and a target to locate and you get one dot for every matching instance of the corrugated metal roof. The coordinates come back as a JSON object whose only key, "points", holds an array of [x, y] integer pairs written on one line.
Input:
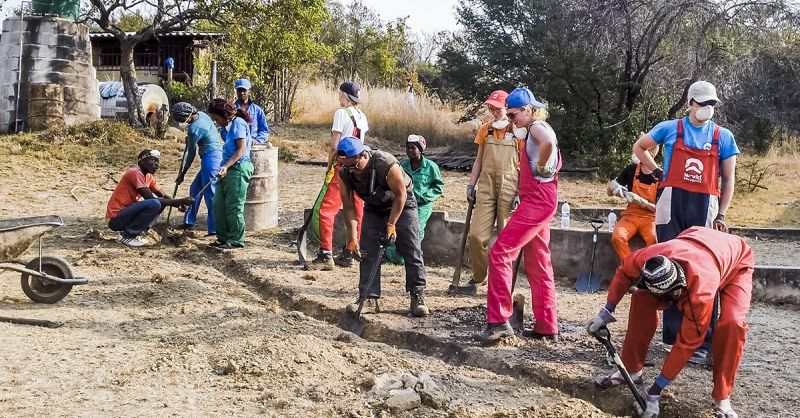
{"points": [[175, 34]]}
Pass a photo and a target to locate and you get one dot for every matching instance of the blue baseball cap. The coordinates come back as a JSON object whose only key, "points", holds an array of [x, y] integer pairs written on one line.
{"points": [[350, 147], [521, 96], [243, 83]]}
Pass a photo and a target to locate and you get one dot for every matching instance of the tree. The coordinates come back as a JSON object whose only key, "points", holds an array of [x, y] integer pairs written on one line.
{"points": [[162, 16]]}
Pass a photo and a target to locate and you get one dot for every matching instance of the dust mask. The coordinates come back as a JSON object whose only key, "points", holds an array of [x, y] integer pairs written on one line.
{"points": [[704, 113], [500, 124], [520, 133], [635, 159], [183, 125]]}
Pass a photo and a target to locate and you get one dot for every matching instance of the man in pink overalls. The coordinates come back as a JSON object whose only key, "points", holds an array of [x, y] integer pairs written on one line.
{"points": [[529, 225]]}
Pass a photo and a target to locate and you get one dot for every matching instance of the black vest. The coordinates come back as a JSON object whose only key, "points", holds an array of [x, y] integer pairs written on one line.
{"points": [[371, 184]]}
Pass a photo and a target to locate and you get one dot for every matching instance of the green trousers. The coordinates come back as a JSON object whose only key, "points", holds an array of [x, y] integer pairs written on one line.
{"points": [[424, 212], [231, 192]]}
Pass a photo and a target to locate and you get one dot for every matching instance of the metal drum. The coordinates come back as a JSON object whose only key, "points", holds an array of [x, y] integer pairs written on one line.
{"points": [[45, 106], [261, 206]]}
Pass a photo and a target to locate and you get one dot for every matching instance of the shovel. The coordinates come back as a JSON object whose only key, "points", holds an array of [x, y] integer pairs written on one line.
{"points": [[352, 322], [518, 307], [604, 336], [457, 273], [590, 282], [175, 191]]}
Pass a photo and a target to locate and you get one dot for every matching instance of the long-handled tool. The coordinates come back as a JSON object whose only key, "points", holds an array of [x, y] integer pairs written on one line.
{"points": [[604, 336], [302, 250], [590, 282], [353, 322], [457, 273], [175, 191]]}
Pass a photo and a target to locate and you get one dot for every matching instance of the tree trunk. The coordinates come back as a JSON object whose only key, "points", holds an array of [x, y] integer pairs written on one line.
{"points": [[127, 72]]}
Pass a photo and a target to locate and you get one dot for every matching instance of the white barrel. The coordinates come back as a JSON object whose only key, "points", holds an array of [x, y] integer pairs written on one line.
{"points": [[261, 206]]}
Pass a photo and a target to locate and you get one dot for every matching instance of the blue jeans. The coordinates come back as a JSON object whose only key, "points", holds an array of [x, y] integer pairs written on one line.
{"points": [[209, 167], [137, 218]]}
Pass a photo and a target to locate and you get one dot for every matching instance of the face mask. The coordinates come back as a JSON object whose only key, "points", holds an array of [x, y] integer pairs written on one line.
{"points": [[635, 159], [520, 133], [704, 113], [500, 124], [183, 125]]}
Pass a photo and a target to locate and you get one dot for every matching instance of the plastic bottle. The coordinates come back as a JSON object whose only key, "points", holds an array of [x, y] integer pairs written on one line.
{"points": [[612, 221], [565, 216]]}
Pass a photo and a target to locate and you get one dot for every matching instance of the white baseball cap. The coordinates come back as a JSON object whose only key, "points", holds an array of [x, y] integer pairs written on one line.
{"points": [[702, 91]]}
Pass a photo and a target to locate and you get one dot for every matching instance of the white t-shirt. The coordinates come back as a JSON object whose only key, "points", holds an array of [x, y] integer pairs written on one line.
{"points": [[342, 122], [532, 149]]}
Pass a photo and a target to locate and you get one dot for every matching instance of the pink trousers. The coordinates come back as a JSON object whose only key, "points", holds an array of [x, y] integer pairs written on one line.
{"points": [[528, 229]]}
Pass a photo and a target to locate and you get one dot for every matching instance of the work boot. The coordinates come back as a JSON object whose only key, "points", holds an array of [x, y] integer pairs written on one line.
{"points": [[496, 332], [370, 303], [470, 289], [344, 259], [529, 333], [418, 307], [323, 261]]}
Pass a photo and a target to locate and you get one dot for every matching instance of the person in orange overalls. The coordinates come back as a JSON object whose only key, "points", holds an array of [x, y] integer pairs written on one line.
{"points": [[639, 217], [686, 272]]}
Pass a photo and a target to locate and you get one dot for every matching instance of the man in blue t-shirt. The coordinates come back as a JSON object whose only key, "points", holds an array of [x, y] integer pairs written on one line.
{"points": [[203, 138], [259, 128], [698, 156]]}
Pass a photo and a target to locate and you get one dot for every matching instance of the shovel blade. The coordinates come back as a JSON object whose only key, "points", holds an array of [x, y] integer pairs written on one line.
{"points": [[588, 283], [517, 314], [353, 324]]}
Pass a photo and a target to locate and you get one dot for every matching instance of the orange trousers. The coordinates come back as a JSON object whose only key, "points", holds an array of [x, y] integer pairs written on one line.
{"points": [[627, 228], [729, 335]]}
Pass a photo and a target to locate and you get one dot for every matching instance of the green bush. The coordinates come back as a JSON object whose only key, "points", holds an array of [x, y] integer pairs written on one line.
{"points": [[182, 92]]}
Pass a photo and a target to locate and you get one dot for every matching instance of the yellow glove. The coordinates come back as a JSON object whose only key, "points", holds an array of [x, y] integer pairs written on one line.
{"points": [[391, 233]]}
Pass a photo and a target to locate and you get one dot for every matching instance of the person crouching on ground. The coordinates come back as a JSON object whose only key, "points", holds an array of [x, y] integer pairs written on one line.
{"points": [[202, 136], [686, 272], [529, 226], [235, 173], [389, 208], [428, 186], [129, 215], [639, 217]]}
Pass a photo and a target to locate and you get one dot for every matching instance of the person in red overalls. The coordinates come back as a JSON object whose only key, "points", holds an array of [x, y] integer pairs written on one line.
{"points": [[529, 226], [697, 154], [686, 272], [639, 217]]}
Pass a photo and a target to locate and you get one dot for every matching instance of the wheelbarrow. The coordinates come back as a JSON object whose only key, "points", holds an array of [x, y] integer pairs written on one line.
{"points": [[45, 279]]}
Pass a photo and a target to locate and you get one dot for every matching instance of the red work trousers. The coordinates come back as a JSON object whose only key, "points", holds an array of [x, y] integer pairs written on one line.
{"points": [[729, 335]]}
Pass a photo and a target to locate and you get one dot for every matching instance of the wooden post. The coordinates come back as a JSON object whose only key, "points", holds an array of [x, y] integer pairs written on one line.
{"points": [[169, 77], [212, 88]]}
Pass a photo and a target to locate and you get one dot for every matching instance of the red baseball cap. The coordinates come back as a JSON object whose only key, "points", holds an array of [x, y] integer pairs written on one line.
{"points": [[497, 99]]}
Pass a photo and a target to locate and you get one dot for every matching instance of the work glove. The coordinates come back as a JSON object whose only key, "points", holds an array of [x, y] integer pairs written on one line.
{"points": [[603, 318], [354, 249], [545, 171], [651, 403], [391, 234], [616, 189], [657, 174], [515, 202], [471, 193], [719, 223]]}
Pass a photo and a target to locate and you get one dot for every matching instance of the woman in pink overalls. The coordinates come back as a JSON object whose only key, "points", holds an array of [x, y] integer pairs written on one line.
{"points": [[529, 225]]}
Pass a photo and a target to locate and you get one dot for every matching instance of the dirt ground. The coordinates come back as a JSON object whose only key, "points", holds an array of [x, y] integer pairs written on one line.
{"points": [[177, 331]]}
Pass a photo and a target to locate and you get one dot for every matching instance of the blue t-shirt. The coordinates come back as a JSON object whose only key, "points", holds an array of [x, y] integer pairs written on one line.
{"points": [[203, 133], [259, 128], [666, 133], [238, 129]]}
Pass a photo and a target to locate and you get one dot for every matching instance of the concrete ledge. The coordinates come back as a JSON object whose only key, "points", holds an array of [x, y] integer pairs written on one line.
{"points": [[571, 252]]}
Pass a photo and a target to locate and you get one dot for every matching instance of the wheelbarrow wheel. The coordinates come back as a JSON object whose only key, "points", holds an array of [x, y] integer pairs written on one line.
{"points": [[45, 291]]}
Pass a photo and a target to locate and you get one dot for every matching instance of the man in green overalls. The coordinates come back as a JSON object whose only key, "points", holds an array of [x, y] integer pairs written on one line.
{"points": [[428, 186]]}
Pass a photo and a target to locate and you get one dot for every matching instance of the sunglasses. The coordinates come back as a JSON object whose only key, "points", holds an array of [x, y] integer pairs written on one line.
{"points": [[354, 165], [711, 102], [512, 115]]}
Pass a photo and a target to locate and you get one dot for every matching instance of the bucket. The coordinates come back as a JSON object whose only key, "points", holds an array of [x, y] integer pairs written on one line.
{"points": [[45, 106], [261, 206]]}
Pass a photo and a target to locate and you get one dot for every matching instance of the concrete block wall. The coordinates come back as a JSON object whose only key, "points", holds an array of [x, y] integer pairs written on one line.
{"points": [[571, 251]]}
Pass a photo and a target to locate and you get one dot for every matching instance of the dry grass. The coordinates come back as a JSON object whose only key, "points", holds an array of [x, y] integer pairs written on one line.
{"points": [[391, 117]]}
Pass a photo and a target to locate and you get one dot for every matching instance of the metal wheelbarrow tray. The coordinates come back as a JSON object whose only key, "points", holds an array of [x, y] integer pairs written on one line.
{"points": [[45, 279]]}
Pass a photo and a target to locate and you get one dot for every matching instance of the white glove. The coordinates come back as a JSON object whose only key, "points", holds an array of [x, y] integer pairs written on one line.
{"points": [[631, 196], [616, 189], [651, 402], [603, 318]]}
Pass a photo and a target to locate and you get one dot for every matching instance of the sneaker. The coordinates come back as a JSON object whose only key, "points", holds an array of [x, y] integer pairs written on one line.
{"points": [[529, 333], [700, 357], [130, 241], [227, 246], [496, 332], [344, 259], [371, 303], [666, 347], [615, 379], [323, 261], [418, 307], [216, 243]]}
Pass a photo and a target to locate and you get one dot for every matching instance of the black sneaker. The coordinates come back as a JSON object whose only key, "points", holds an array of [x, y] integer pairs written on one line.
{"points": [[323, 261], [529, 333], [216, 244], [496, 332], [418, 307], [344, 259]]}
